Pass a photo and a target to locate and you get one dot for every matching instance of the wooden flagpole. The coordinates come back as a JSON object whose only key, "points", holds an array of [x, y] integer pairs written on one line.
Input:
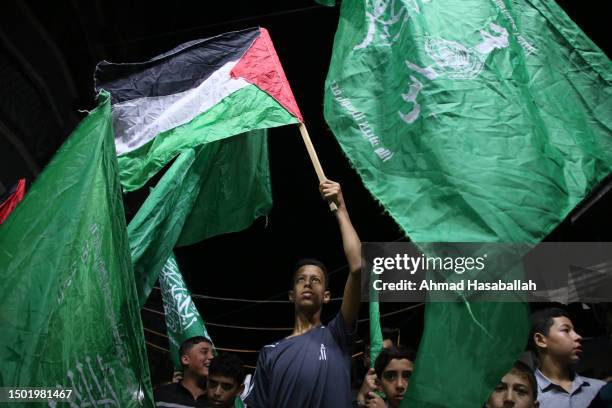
{"points": [[314, 159]]}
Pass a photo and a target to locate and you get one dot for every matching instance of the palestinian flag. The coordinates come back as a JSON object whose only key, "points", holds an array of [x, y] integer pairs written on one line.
{"points": [[199, 92], [11, 198]]}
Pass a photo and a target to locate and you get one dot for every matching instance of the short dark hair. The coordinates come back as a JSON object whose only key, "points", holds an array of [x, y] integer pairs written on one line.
{"points": [[395, 353], [387, 333], [310, 261], [190, 342], [390, 334], [522, 369], [541, 322], [228, 365]]}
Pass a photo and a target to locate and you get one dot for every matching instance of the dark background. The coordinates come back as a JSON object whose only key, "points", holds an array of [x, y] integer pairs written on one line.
{"points": [[48, 51]]}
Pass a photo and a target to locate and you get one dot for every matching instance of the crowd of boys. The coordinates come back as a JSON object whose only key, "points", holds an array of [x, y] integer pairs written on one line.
{"points": [[311, 367]]}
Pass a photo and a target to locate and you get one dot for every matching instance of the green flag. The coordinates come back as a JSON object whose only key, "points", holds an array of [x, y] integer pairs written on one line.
{"points": [[217, 188], [376, 339], [69, 312], [182, 317], [470, 121]]}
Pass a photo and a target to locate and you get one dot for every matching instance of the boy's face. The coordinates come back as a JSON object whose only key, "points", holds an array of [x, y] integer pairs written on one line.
{"points": [[394, 380], [222, 390], [514, 390], [309, 288], [562, 342], [197, 359]]}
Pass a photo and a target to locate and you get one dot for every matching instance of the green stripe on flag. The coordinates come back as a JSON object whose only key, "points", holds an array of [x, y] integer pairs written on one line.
{"points": [[244, 110]]}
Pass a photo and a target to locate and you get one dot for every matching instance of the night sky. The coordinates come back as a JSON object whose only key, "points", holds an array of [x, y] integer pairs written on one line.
{"points": [[48, 51]]}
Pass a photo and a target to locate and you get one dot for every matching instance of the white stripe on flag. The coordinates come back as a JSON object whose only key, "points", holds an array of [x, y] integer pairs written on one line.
{"points": [[138, 121]]}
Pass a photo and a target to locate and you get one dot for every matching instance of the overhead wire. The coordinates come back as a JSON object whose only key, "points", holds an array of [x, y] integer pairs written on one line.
{"points": [[198, 296], [231, 326], [284, 293], [252, 303]]}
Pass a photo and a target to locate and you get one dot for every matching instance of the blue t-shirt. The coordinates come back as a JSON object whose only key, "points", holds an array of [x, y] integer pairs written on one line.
{"points": [[309, 370]]}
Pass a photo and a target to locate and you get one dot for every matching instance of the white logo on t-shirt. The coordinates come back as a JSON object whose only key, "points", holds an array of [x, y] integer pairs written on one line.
{"points": [[323, 355]]}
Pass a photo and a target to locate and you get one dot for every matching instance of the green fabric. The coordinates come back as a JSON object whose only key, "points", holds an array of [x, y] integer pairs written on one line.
{"points": [[217, 188], [69, 313], [376, 340], [183, 320], [470, 121], [244, 110]]}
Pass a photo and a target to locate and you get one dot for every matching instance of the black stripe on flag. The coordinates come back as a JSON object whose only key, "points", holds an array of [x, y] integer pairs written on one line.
{"points": [[7, 194], [178, 70]]}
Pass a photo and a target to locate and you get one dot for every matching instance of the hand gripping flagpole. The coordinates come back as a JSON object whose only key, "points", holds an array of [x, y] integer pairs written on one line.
{"points": [[314, 159]]}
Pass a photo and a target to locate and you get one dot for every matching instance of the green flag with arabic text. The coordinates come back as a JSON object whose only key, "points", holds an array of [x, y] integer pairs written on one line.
{"points": [[69, 311], [470, 121], [182, 317]]}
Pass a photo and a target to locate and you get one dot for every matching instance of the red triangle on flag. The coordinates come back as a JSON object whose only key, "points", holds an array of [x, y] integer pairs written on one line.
{"points": [[260, 66], [12, 199]]}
